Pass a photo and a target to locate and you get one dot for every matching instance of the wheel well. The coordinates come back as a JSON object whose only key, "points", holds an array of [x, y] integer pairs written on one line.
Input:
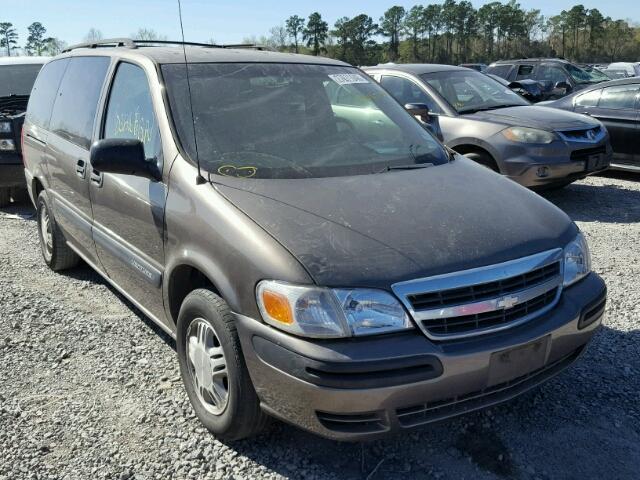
{"points": [[465, 149], [184, 280], [37, 188]]}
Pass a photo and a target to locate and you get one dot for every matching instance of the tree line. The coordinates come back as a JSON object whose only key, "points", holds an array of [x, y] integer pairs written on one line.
{"points": [[456, 32], [451, 32]]}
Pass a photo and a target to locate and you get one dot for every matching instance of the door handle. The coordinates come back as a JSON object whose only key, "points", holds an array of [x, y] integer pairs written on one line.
{"points": [[81, 168], [96, 178]]}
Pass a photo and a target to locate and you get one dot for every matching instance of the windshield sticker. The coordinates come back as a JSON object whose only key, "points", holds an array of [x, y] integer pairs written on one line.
{"points": [[348, 78], [238, 172]]}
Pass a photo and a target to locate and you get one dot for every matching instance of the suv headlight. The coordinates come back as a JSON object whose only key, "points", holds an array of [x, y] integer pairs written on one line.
{"points": [[330, 313], [577, 260], [528, 135], [5, 127]]}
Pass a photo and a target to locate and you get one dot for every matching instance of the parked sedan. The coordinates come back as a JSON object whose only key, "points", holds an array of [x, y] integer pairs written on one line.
{"points": [[482, 119], [622, 70], [617, 105]]}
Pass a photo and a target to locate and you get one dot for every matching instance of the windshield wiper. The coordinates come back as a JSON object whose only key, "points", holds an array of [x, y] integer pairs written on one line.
{"points": [[484, 109], [411, 166]]}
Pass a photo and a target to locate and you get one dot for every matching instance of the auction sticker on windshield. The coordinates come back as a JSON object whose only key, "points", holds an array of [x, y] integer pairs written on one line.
{"points": [[347, 78]]}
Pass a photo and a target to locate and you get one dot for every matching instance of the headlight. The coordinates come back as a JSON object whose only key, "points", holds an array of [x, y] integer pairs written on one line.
{"points": [[5, 127], [577, 260], [528, 135], [6, 145], [330, 313]]}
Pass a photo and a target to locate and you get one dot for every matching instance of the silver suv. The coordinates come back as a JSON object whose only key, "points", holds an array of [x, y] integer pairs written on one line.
{"points": [[332, 266], [486, 121]]}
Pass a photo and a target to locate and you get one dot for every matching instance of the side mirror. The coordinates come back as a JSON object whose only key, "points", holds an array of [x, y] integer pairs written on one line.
{"points": [[562, 88], [419, 110], [124, 156]]}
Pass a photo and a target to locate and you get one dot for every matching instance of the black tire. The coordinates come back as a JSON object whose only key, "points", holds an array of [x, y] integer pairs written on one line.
{"points": [[242, 416], [57, 254], [20, 195], [483, 159], [5, 197]]}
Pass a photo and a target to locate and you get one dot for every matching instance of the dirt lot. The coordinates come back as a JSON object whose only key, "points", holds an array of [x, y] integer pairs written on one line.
{"points": [[90, 389]]}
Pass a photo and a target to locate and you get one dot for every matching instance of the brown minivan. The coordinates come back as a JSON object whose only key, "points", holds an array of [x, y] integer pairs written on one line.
{"points": [[329, 264]]}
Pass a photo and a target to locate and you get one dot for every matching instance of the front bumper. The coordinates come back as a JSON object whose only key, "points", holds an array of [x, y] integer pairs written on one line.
{"points": [[11, 170], [365, 388], [556, 163]]}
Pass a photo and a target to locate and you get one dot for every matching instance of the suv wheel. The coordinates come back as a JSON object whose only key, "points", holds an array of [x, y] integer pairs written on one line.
{"points": [[213, 369], [57, 254], [5, 197]]}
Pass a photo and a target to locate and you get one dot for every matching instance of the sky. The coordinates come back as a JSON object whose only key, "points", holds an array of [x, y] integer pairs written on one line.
{"points": [[225, 21]]}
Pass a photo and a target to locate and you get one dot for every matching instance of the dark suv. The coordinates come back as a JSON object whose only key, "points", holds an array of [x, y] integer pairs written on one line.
{"points": [[17, 75], [338, 270], [557, 76]]}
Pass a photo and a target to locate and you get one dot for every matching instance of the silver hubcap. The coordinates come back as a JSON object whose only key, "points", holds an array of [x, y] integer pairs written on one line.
{"points": [[208, 366], [45, 229]]}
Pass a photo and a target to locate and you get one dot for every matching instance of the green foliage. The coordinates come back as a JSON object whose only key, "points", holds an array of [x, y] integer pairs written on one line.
{"points": [[37, 43], [455, 32], [316, 33], [294, 27], [8, 37]]}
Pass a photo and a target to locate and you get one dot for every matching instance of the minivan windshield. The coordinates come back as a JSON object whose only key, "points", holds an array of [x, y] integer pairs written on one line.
{"points": [[276, 120], [468, 91], [17, 79]]}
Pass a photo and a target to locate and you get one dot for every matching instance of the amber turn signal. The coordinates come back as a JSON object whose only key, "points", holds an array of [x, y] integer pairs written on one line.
{"points": [[277, 306]]}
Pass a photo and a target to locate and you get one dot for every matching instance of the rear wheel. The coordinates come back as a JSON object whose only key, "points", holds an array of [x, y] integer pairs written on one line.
{"points": [[5, 197], [57, 254], [213, 369], [483, 159]]}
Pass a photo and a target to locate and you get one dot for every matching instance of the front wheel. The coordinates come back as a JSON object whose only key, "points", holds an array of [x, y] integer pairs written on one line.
{"points": [[483, 159], [213, 369]]}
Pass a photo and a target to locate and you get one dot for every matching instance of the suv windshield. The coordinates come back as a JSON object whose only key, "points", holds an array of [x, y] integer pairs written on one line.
{"points": [[468, 91], [585, 76], [17, 79], [272, 120]]}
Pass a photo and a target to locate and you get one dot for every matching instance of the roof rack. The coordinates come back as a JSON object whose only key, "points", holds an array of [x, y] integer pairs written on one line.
{"points": [[131, 43]]}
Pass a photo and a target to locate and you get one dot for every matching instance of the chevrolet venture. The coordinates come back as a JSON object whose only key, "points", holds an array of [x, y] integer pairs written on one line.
{"points": [[343, 272]]}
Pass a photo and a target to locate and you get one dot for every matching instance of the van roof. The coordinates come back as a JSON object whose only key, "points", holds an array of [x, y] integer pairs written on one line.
{"points": [[172, 52], [416, 68]]}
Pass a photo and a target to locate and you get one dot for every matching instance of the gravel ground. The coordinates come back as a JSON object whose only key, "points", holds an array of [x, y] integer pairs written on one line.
{"points": [[90, 389]]}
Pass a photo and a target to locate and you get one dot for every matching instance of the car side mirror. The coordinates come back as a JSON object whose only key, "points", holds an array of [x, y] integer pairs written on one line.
{"points": [[124, 156], [420, 110], [562, 88]]}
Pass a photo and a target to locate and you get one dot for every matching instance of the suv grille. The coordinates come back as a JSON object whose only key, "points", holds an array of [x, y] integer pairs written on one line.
{"points": [[583, 135], [484, 300], [484, 290], [585, 153]]}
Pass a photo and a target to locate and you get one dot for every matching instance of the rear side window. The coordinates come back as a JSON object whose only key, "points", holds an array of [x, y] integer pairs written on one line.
{"points": [[75, 108], [130, 111], [524, 71], [499, 70], [619, 98], [44, 92], [552, 74], [589, 99]]}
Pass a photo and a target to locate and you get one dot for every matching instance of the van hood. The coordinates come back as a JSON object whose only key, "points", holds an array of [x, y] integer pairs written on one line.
{"points": [[544, 118], [375, 230]]}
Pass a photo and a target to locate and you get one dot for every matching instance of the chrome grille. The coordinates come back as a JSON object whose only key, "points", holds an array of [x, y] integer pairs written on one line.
{"points": [[486, 299]]}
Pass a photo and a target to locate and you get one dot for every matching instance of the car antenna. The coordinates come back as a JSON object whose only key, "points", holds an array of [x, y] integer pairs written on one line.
{"points": [[199, 179]]}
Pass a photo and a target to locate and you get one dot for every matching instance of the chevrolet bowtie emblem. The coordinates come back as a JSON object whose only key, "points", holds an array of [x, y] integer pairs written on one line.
{"points": [[507, 302]]}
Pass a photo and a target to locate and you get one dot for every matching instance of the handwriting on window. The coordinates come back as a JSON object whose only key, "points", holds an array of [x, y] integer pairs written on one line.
{"points": [[134, 124]]}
